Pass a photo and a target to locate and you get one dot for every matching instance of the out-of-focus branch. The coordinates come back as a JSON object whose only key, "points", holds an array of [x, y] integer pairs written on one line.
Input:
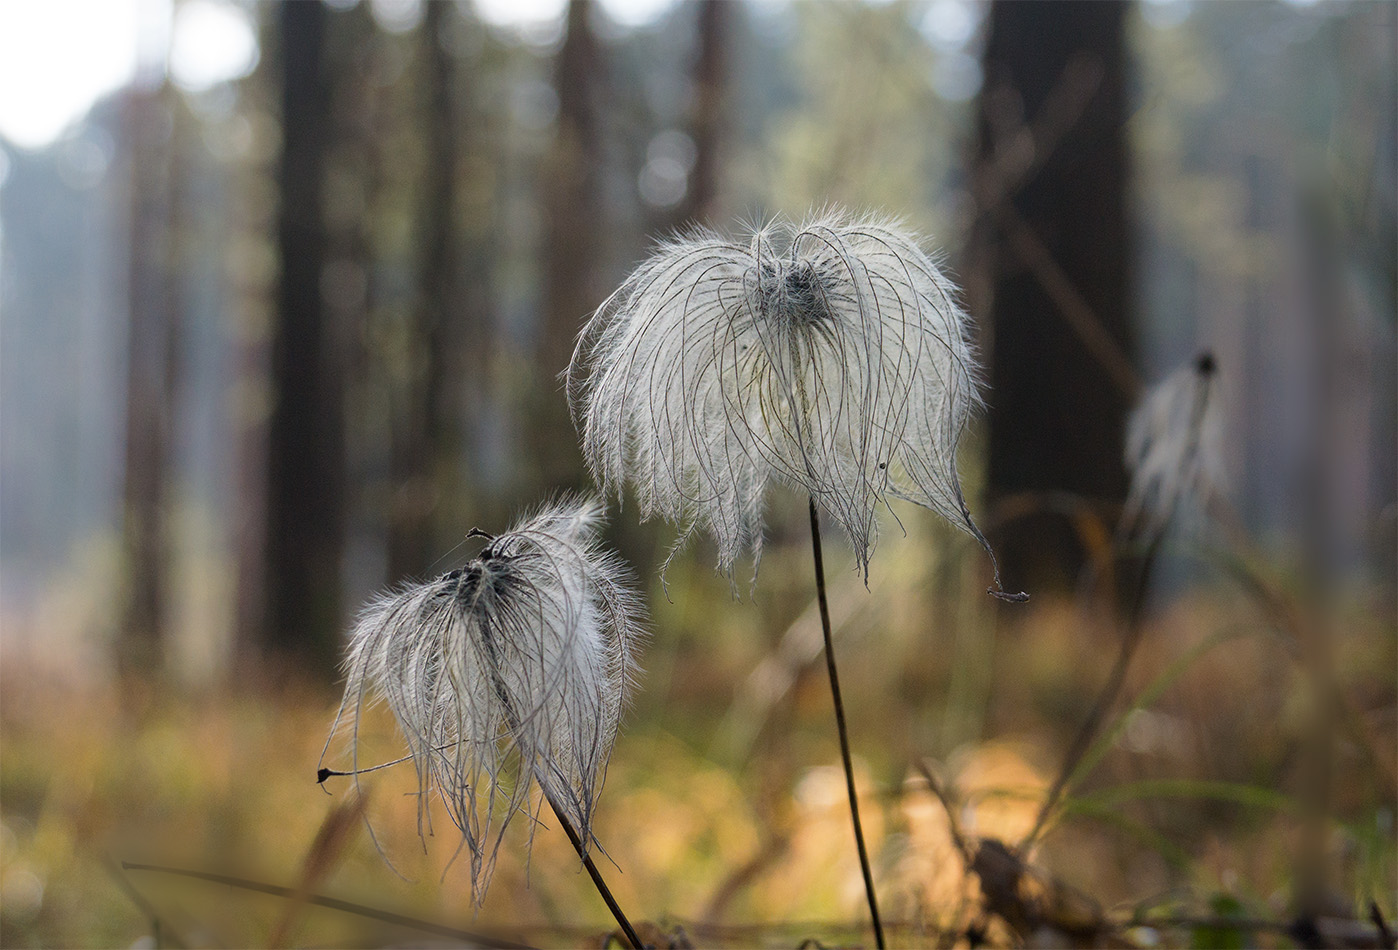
{"points": [[160, 927], [1072, 306], [1021, 150], [334, 903]]}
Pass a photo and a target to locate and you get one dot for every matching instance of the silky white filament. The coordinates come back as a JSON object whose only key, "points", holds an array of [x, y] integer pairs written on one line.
{"points": [[833, 357], [510, 671]]}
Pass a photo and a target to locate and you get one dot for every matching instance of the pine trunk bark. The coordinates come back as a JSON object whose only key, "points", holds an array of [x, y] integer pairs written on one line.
{"points": [[306, 439], [1059, 252], [572, 284], [421, 428], [151, 380], [706, 124]]}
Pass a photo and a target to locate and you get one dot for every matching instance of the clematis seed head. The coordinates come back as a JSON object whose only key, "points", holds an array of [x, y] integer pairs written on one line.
{"points": [[505, 674], [1174, 449], [832, 356]]}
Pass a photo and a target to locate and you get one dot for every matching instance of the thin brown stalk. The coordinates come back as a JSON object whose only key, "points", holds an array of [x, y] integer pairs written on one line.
{"points": [[1072, 305], [592, 871], [843, 729], [158, 925], [1021, 151], [953, 823], [1106, 698], [512, 720], [1134, 631], [334, 903], [597, 881]]}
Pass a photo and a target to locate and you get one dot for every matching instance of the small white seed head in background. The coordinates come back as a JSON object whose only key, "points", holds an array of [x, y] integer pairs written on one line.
{"points": [[1174, 450]]}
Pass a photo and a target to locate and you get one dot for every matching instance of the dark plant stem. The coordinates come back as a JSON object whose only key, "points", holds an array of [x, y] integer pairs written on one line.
{"points": [[512, 721], [1385, 935], [596, 876], [840, 723], [592, 871], [158, 926], [333, 903], [1204, 368], [1111, 689]]}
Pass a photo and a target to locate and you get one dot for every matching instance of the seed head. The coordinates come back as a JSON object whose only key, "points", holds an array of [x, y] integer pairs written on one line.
{"points": [[832, 357], [510, 671], [1174, 449]]}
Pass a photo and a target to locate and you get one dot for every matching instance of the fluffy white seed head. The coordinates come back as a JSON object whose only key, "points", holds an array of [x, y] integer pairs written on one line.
{"points": [[510, 671], [1174, 450], [832, 356]]}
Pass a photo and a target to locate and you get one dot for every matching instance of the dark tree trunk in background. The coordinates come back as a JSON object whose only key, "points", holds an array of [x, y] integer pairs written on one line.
{"points": [[706, 122], [420, 426], [150, 380], [1057, 408], [470, 389], [571, 281], [306, 451]]}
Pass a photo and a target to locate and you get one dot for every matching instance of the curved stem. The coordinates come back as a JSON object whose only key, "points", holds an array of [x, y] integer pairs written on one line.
{"points": [[1133, 634], [1130, 639], [512, 723], [840, 724], [596, 876], [333, 903]]}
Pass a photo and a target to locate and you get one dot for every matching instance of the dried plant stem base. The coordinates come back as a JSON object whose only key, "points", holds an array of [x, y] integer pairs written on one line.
{"points": [[840, 724], [1131, 637]]}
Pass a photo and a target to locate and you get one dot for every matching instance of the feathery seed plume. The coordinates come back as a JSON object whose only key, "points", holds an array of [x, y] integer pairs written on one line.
{"points": [[509, 671], [1174, 449], [833, 357]]}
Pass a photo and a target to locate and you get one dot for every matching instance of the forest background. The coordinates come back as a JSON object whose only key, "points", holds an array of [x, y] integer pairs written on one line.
{"points": [[284, 290]]}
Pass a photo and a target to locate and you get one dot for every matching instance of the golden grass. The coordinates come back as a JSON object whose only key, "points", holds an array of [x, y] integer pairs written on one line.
{"points": [[740, 842]]}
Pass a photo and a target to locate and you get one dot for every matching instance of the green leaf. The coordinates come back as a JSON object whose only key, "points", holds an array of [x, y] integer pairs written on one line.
{"points": [[1254, 796], [1218, 933]]}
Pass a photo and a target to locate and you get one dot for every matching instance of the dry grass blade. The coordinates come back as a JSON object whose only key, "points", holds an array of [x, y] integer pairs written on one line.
{"points": [[161, 930], [325, 852], [471, 938], [953, 823]]}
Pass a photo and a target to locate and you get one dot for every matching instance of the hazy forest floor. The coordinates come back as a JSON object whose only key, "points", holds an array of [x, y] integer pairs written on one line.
{"points": [[723, 809]]}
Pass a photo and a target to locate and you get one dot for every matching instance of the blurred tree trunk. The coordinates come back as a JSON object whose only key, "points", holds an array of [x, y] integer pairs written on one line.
{"points": [[709, 84], [305, 514], [1057, 407], [470, 390], [251, 226], [422, 421], [356, 165], [572, 286], [152, 350]]}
